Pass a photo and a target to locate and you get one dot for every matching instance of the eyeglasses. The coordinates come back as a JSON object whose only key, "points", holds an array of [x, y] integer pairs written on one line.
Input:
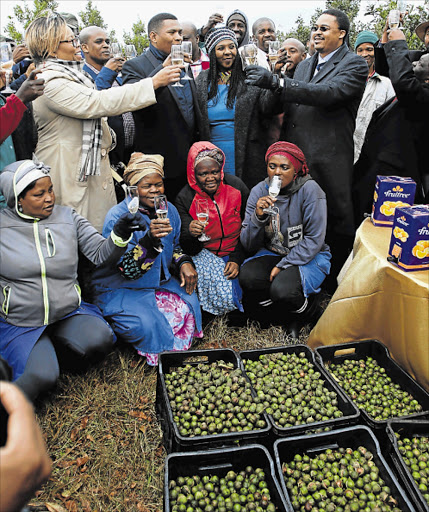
{"points": [[75, 41]]}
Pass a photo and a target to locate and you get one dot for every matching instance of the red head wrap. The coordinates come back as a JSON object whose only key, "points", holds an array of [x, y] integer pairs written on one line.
{"points": [[290, 151]]}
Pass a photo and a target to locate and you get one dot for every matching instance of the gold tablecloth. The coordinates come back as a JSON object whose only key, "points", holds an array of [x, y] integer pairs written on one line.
{"points": [[377, 300]]}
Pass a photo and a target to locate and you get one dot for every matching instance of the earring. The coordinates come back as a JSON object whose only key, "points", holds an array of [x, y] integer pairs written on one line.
{"points": [[20, 207]]}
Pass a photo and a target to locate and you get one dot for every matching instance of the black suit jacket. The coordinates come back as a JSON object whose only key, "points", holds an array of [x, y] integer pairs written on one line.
{"points": [[162, 128], [396, 138], [320, 114]]}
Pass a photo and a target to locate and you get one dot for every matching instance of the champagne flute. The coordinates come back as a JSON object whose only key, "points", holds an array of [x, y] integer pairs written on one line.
{"points": [[116, 50], [203, 216], [401, 5], [161, 206], [394, 18], [250, 54], [273, 191], [130, 51], [273, 49], [187, 50], [177, 59], [6, 56], [132, 199]]}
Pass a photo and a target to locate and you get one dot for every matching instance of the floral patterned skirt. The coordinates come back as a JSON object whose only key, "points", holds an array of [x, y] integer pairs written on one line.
{"points": [[181, 320]]}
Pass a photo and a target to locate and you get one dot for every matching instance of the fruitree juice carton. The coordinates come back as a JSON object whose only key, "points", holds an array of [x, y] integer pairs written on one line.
{"points": [[391, 192], [409, 244]]}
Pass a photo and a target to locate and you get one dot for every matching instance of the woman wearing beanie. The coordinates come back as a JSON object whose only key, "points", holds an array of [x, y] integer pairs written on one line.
{"points": [[290, 258], [233, 111], [148, 296], [44, 323]]}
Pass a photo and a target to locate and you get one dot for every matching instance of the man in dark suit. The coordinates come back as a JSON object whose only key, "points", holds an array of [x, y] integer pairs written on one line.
{"points": [[396, 139], [170, 126], [320, 104]]}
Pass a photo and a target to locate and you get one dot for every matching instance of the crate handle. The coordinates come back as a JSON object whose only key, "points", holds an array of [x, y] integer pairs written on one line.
{"points": [[322, 448], [344, 351], [216, 466]]}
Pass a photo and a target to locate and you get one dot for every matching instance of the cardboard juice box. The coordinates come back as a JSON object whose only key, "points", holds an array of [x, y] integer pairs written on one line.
{"points": [[409, 244], [391, 192]]}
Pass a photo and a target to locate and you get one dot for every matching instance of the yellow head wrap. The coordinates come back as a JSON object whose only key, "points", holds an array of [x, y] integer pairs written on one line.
{"points": [[140, 165]]}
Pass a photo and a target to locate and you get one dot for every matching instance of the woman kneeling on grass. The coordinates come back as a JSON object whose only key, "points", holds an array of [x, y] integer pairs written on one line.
{"points": [[290, 258], [44, 324], [149, 295]]}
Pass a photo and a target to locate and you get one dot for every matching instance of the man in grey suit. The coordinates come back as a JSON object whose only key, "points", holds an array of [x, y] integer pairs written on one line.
{"points": [[320, 104]]}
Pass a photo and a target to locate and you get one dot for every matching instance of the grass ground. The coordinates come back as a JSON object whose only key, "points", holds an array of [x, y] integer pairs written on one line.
{"points": [[102, 433]]}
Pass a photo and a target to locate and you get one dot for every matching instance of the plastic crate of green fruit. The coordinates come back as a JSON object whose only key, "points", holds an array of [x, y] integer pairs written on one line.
{"points": [[409, 451], [380, 388], [237, 479], [297, 394], [338, 470], [205, 401]]}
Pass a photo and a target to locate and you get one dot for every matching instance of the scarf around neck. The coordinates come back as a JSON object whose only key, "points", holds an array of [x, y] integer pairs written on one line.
{"points": [[92, 131]]}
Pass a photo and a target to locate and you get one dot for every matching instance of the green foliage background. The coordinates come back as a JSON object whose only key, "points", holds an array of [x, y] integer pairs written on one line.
{"points": [[376, 14]]}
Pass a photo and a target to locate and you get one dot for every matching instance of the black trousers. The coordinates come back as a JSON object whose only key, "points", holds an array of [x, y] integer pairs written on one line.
{"points": [[73, 344], [270, 302]]}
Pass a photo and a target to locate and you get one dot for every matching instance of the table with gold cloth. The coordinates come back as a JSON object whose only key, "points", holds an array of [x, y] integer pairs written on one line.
{"points": [[377, 300]]}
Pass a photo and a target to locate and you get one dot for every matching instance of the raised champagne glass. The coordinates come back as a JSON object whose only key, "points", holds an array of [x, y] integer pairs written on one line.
{"points": [[273, 191], [177, 59], [203, 216], [187, 51], [161, 206]]}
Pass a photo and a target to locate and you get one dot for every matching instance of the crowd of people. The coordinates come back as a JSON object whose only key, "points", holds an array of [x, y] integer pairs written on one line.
{"points": [[215, 136]]}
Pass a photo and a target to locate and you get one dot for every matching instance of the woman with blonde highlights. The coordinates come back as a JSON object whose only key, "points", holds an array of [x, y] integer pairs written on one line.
{"points": [[72, 136]]}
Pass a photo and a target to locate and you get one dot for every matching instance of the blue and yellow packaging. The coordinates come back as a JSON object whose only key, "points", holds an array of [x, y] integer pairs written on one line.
{"points": [[409, 244], [391, 192]]}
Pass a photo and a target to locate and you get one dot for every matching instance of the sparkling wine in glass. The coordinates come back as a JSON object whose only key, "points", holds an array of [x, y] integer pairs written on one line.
{"points": [[203, 217], [132, 199], [394, 18], [250, 55], [187, 50], [6, 56], [116, 50], [177, 59], [273, 48], [130, 51], [273, 191], [161, 206]]}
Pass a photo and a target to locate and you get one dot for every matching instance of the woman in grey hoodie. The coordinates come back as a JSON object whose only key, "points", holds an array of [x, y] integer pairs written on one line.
{"points": [[42, 316]]}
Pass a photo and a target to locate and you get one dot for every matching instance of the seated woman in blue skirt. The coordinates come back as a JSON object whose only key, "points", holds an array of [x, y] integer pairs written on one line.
{"points": [[148, 296]]}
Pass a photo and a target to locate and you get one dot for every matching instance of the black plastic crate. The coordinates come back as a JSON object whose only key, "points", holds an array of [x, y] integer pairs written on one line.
{"points": [[352, 437], [347, 407], [219, 462], [173, 440], [376, 350], [407, 428]]}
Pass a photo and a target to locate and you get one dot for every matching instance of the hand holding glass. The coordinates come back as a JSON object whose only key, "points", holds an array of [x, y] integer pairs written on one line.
{"points": [[273, 191], [177, 59], [273, 48], [161, 206], [203, 217], [187, 50], [250, 55]]}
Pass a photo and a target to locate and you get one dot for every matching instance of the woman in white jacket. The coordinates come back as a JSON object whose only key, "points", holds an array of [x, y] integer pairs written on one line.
{"points": [[74, 138]]}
